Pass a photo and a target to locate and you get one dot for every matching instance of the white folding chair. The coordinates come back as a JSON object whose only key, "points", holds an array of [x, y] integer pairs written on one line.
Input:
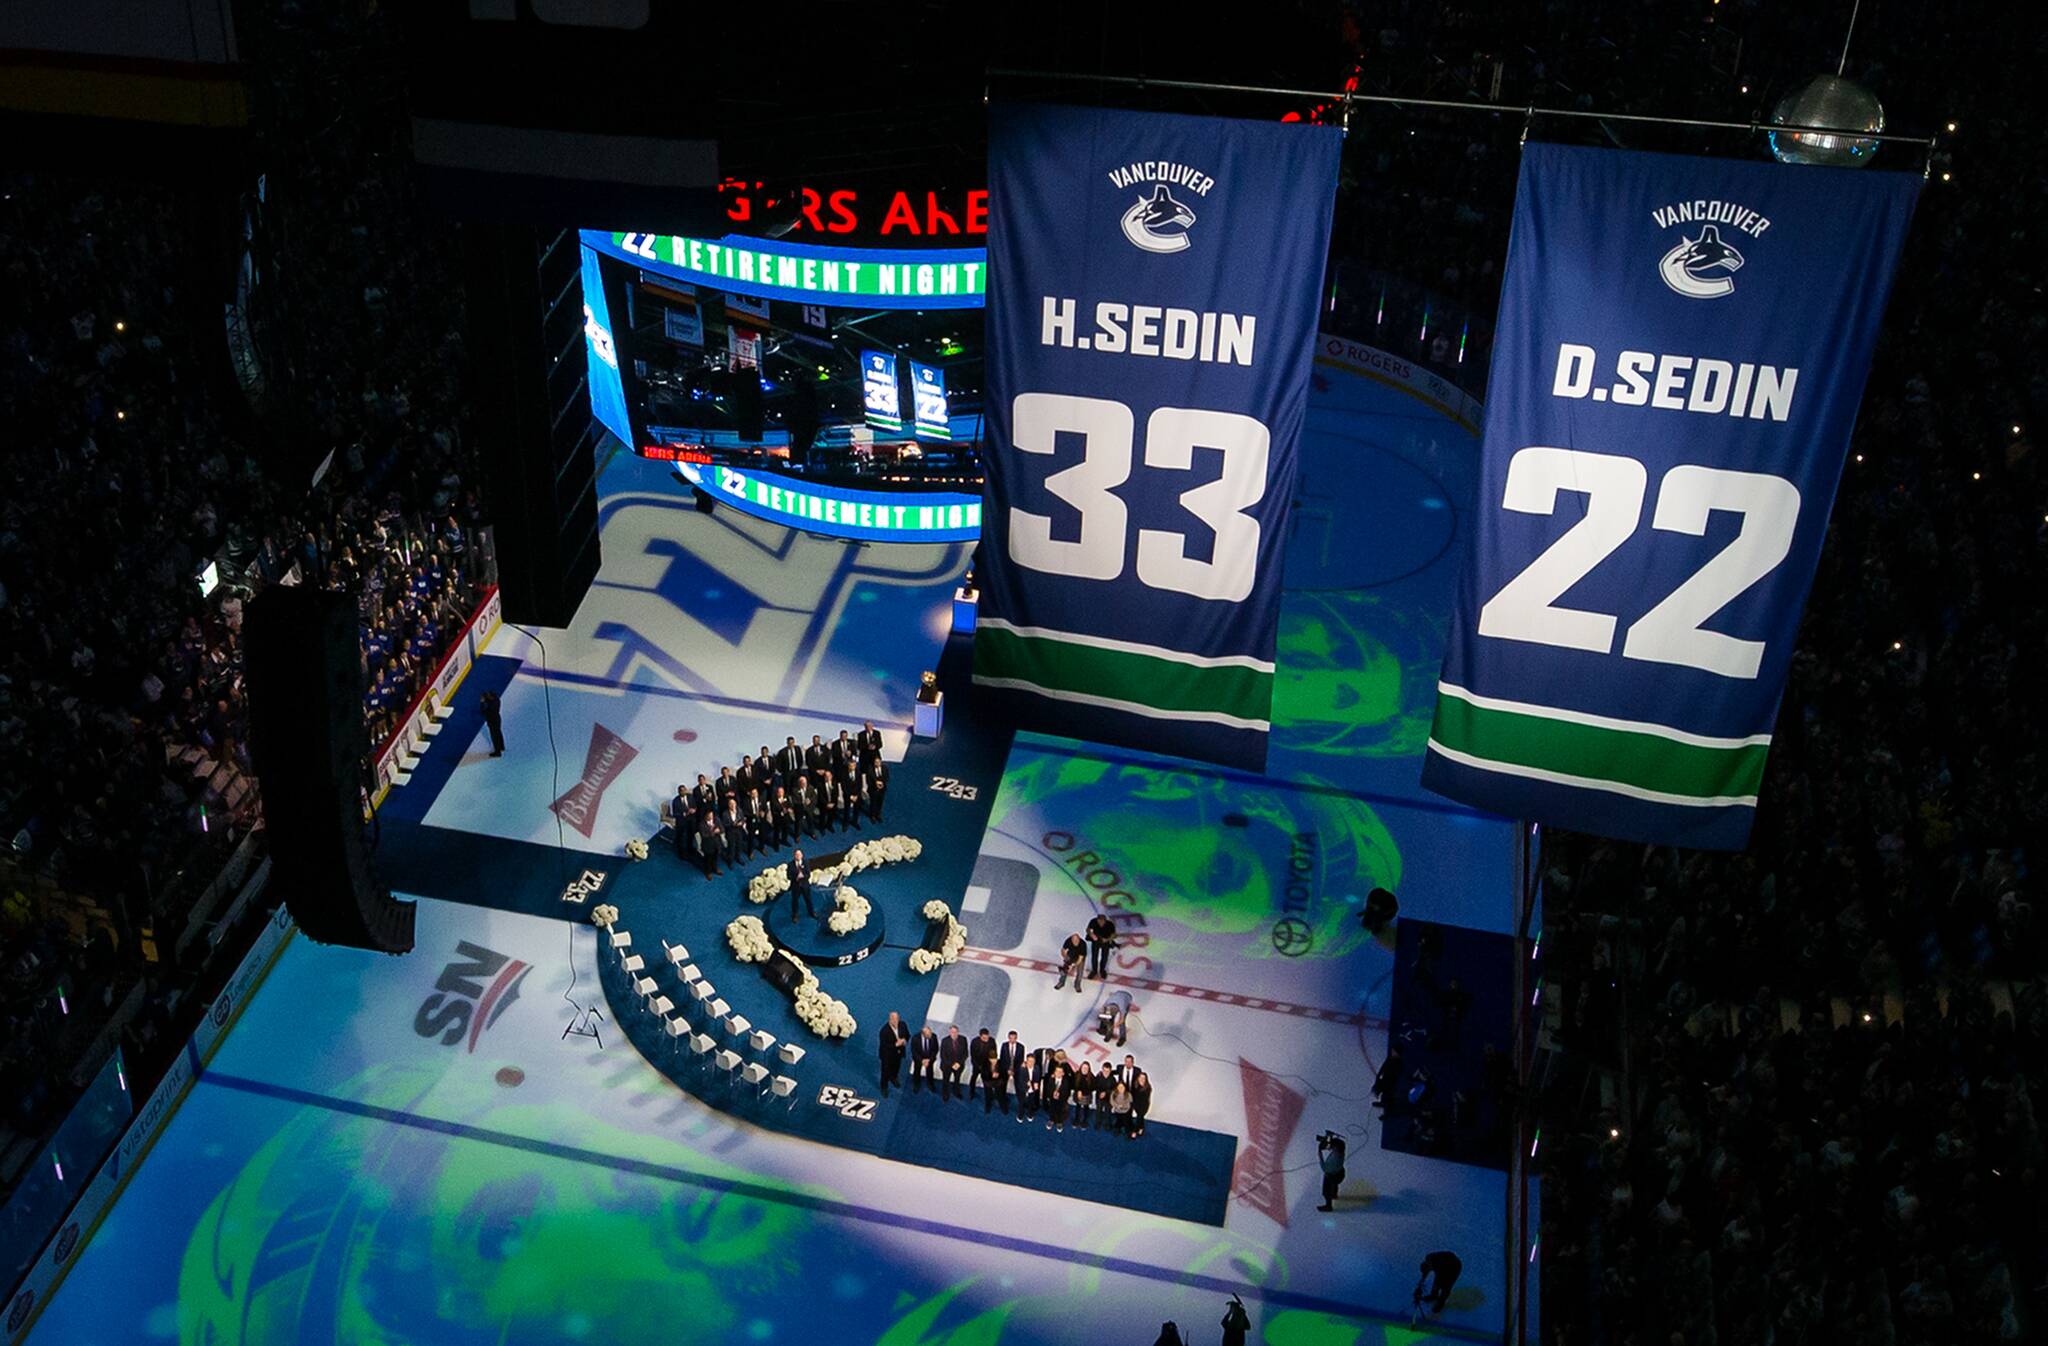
{"points": [[737, 1025], [761, 1040], [675, 953], [689, 973], [718, 1009], [727, 1062], [755, 1074], [645, 988], [701, 990], [634, 963], [790, 1053], [784, 1087], [676, 1028], [700, 1047], [662, 1005], [622, 939]]}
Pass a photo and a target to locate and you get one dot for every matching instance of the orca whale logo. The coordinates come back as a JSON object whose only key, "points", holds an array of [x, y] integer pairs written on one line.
{"points": [[1698, 267], [1158, 223]]}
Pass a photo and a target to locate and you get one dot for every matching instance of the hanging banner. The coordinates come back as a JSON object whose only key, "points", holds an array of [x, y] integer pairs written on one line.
{"points": [[928, 402], [878, 390], [746, 306], [1151, 323], [1681, 349], [742, 348]]}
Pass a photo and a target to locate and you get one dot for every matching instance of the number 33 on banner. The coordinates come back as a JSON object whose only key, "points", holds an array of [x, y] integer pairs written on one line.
{"points": [[1171, 436], [1614, 485]]}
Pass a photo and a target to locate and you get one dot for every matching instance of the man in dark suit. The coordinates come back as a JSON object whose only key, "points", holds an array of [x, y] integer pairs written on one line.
{"points": [[981, 1056], [817, 757], [710, 843], [781, 819], [924, 1053], [1009, 1061], [703, 796], [831, 801], [764, 773], [800, 888], [726, 786], [1127, 1073], [492, 709], [845, 754], [952, 1061], [789, 760], [806, 801], [895, 1037], [869, 740], [1030, 1078], [681, 824], [739, 838], [760, 822], [878, 786], [856, 799]]}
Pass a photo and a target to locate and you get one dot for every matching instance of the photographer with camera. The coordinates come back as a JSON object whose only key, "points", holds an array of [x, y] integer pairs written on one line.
{"points": [[1330, 1152], [1236, 1323], [1101, 942]]}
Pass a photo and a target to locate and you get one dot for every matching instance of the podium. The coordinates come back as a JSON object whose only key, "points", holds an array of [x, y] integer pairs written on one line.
{"points": [[966, 602], [928, 716]]}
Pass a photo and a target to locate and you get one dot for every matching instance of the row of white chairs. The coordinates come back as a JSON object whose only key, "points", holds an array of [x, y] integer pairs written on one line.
{"points": [[682, 1034]]}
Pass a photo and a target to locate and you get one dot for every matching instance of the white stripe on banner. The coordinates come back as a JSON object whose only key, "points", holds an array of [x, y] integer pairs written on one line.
{"points": [[1587, 783], [1129, 647], [1134, 707], [1598, 721]]}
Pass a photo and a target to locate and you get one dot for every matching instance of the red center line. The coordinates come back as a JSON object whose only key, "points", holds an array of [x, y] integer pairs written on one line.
{"points": [[1191, 992]]}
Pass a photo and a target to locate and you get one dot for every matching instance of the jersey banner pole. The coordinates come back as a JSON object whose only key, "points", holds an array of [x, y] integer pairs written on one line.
{"points": [[1681, 348], [1152, 301]]}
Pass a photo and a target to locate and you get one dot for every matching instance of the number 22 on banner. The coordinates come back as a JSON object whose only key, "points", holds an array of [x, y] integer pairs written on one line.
{"points": [[1171, 436], [1669, 633]]}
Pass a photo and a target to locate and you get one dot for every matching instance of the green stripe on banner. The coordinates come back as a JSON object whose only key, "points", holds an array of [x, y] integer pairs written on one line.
{"points": [[1597, 754], [1166, 685]]}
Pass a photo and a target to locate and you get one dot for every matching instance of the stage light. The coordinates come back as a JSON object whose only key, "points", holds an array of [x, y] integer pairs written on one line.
{"points": [[1951, 127], [1944, 177], [1866, 1016], [1614, 1133], [1897, 646], [120, 326], [120, 415], [1976, 476], [1859, 457], [2015, 429]]}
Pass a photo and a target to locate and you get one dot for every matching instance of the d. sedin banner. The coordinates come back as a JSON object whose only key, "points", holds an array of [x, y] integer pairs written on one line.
{"points": [[1681, 348], [1151, 323]]}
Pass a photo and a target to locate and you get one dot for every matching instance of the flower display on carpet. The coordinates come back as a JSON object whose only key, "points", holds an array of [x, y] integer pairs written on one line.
{"points": [[749, 939], [773, 881], [604, 915], [824, 1015], [931, 960], [636, 849], [850, 911]]}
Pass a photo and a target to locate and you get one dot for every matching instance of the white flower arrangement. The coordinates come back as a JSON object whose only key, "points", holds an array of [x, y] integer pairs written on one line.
{"points": [[824, 1015], [851, 911], [928, 960], [749, 939], [604, 915], [636, 849], [770, 882]]}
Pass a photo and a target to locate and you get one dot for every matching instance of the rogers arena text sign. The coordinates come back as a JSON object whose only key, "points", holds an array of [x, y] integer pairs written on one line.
{"points": [[808, 273], [846, 213]]}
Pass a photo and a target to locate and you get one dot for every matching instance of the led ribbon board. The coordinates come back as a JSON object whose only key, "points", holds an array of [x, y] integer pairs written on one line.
{"points": [[1151, 330], [844, 277], [1682, 346], [841, 511]]}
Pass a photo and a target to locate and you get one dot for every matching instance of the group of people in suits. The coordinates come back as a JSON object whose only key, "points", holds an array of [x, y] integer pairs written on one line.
{"points": [[768, 800], [1114, 1098]]}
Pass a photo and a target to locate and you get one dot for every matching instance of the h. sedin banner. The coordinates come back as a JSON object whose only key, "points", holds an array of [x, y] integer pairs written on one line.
{"points": [[1153, 284], [1681, 348]]}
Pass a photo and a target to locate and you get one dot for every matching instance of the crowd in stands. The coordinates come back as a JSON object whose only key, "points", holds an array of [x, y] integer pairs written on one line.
{"points": [[123, 755]]}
